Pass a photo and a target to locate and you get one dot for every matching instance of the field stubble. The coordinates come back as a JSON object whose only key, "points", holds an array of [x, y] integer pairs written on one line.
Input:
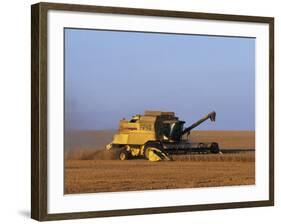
{"points": [[89, 170]]}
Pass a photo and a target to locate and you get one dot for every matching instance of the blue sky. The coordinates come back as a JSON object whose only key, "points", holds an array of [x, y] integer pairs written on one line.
{"points": [[111, 75]]}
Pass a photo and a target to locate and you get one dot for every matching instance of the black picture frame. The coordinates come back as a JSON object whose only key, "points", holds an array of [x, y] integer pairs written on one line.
{"points": [[39, 107]]}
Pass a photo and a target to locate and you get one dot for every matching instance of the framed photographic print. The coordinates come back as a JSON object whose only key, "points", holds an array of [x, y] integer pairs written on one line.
{"points": [[141, 111]]}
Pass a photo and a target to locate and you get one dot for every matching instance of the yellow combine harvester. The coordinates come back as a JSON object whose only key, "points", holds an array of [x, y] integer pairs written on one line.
{"points": [[156, 135]]}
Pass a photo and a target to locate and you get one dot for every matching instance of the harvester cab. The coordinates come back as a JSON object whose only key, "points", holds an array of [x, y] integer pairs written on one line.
{"points": [[156, 136]]}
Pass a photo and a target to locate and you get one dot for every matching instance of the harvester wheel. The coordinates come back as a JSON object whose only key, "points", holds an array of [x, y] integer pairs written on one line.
{"points": [[148, 147], [154, 152], [124, 154]]}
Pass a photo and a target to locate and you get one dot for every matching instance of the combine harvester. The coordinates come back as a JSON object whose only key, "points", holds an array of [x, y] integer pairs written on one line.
{"points": [[156, 135]]}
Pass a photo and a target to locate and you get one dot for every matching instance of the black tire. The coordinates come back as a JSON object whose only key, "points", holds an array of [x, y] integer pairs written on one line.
{"points": [[123, 155], [158, 146], [151, 144], [215, 148]]}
